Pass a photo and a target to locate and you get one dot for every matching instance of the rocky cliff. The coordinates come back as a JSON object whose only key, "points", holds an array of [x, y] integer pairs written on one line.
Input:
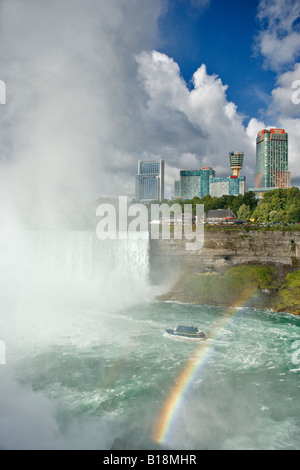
{"points": [[278, 252]]}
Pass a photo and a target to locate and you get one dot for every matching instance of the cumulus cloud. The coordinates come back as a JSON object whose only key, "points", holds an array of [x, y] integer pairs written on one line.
{"points": [[283, 103], [204, 123], [292, 127], [279, 38]]}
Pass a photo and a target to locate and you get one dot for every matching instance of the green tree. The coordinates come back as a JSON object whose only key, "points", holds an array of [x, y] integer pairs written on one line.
{"points": [[244, 212], [250, 200], [279, 205], [261, 213], [276, 216], [293, 213]]}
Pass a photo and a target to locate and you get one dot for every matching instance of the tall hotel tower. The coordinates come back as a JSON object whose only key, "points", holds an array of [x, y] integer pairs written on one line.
{"points": [[149, 182], [272, 160]]}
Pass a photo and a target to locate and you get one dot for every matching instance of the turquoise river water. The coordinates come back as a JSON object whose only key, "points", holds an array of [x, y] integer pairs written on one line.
{"points": [[86, 364]]}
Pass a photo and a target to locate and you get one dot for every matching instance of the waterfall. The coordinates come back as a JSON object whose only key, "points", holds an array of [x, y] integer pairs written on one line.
{"points": [[77, 262]]}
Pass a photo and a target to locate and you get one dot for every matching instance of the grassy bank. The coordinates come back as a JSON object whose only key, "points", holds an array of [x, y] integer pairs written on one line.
{"points": [[288, 296], [251, 285]]}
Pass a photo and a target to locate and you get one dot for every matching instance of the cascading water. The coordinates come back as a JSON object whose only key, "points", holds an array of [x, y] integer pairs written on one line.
{"points": [[64, 262]]}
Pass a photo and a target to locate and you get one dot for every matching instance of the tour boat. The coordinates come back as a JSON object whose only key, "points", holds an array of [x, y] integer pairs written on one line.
{"points": [[187, 332]]}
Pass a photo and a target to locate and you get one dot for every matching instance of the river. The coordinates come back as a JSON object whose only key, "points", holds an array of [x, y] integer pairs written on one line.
{"points": [[88, 366]]}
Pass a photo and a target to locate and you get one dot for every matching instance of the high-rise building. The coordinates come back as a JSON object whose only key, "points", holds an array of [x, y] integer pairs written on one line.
{"points": [[202, 182], [149, 182], [190, 183], [206, 174], [194, 182], [272, 160]]}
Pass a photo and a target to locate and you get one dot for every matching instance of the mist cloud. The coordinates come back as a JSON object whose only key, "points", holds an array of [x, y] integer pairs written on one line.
{"points": [[70, 72]]}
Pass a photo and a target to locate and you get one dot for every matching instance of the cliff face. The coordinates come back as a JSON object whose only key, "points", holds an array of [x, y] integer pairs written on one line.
{"points": [[253, 265], [226, 248]]}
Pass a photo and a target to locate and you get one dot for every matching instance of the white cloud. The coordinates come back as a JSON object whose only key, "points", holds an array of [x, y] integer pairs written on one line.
{"points": [[282, 96], [199, 122], [292, 127], [279, 38]]}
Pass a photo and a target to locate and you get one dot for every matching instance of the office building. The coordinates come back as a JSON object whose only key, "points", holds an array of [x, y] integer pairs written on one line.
{"points": [[149, 182], [271, 161], [227, 185], [190, 183], [202, 182], [194, 182], [206, 174]]}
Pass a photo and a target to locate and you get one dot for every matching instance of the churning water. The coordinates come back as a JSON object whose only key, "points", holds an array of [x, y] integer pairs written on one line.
{"points": [[88, 365]]}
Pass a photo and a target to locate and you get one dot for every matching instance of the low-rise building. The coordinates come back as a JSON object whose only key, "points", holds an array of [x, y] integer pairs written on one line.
{"points": [[220, 216]]}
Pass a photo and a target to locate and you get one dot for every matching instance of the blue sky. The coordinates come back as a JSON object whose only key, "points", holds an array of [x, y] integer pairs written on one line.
{"points": [[221, 35]]}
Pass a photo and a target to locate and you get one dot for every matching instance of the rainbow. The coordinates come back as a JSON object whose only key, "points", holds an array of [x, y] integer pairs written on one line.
{"points": [[173, 405]]}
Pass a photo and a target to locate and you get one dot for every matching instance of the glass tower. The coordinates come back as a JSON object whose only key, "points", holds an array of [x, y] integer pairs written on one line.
{"points": [[202, 182], [272, 159], [149, 182], [190, 183], [206, 174]]}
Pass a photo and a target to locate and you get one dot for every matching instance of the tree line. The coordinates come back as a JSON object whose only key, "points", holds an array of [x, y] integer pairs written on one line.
{"points": [[277, 206]]}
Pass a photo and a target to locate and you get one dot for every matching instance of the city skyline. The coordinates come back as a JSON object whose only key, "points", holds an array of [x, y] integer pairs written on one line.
{"points": [[272, 170], [271, 173], [107, 85]]}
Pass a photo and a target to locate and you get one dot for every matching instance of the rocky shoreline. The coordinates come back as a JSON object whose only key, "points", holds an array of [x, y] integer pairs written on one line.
{"points": [[254, 285]]}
